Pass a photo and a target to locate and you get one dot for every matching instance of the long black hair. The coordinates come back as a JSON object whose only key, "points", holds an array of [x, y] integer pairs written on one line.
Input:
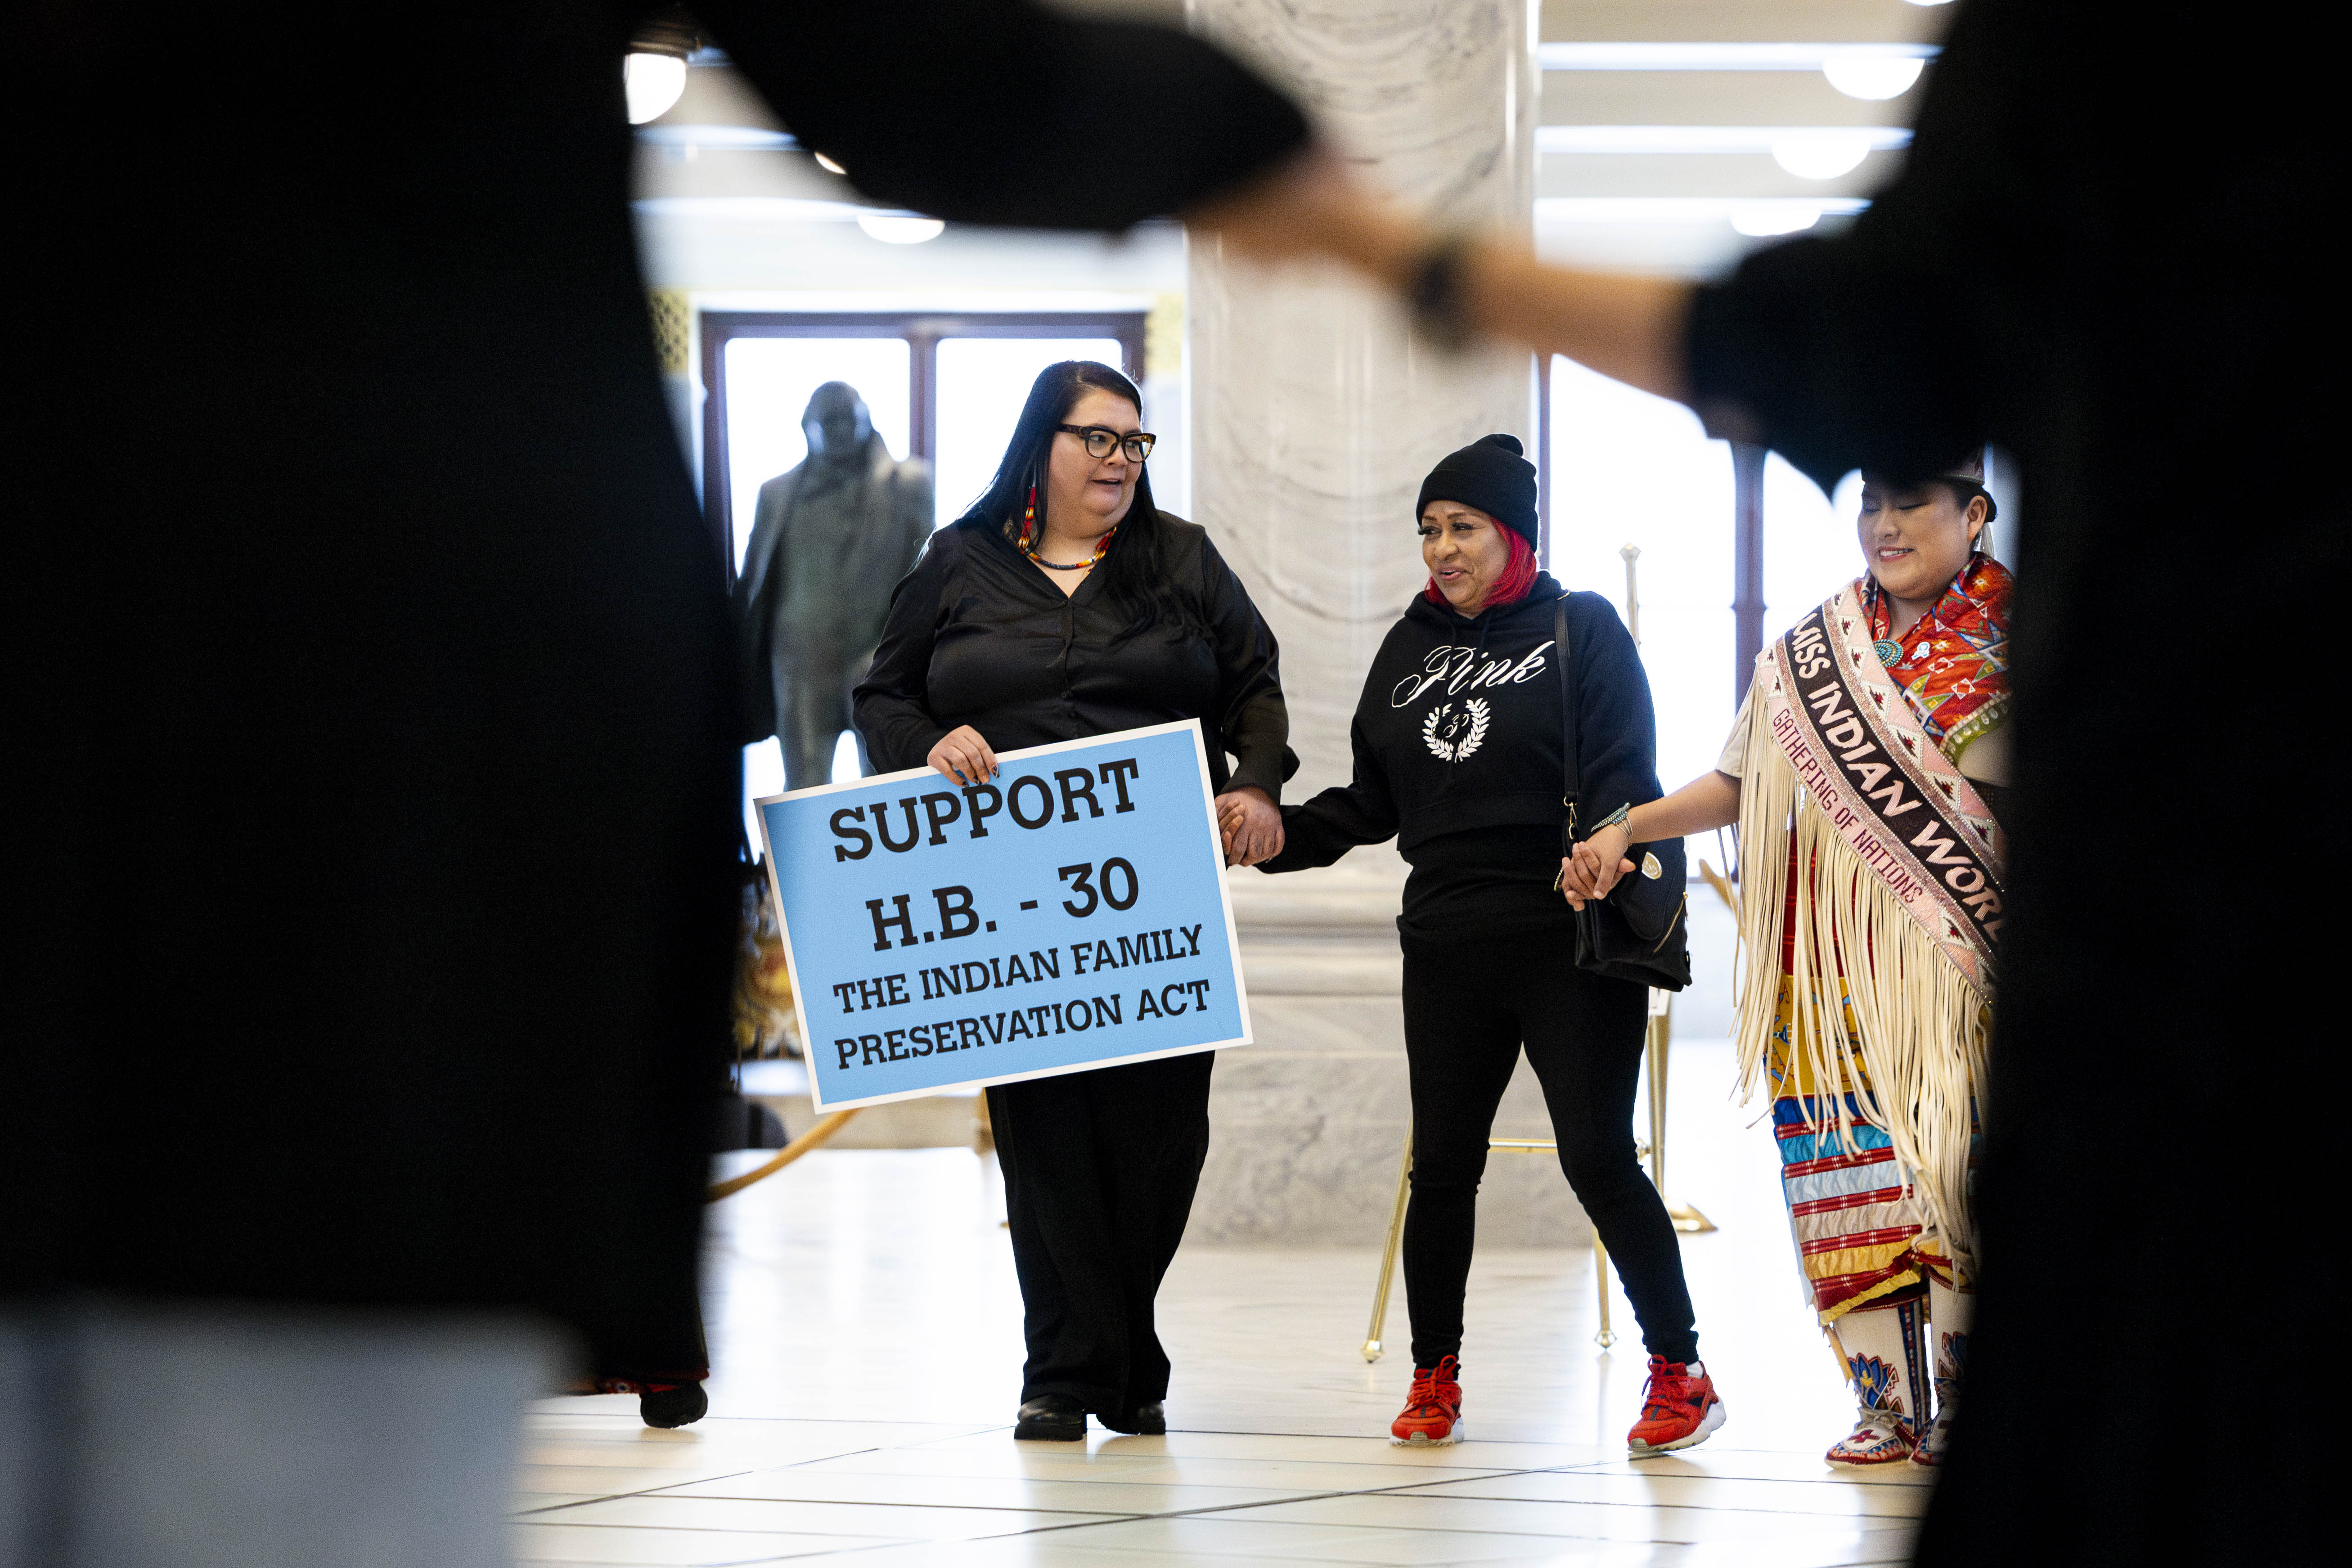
{"points": [[1134, 572]]}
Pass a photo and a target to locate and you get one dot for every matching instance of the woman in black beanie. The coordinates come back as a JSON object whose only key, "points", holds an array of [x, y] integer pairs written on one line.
{"points": [[1459, 756]]}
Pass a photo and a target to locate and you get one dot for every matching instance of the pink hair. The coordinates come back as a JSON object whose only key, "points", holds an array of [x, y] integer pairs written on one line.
{"points": [[1519, 573]]}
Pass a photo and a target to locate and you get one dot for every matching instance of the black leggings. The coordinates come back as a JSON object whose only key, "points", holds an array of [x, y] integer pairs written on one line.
{"points": [[1468, 1005]]}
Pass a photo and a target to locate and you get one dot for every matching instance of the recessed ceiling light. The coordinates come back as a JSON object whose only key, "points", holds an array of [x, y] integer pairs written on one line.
{"points": [[732, 137], [1763, 219], [896, 229], [825, 162], [1577, 212], [1872, 75], [1613, 139], [1821, 154], [1692, 56], [655, 83]]}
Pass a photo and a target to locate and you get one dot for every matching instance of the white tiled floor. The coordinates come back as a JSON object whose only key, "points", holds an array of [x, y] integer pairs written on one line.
{"points": [[865, 1335]]}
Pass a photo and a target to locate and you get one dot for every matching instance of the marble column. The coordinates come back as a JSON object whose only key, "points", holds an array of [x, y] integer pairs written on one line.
{"points": [[1314, 413]]}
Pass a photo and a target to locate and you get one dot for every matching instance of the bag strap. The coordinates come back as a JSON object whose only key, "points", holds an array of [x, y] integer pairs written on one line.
{"points": [[1571, 761]]}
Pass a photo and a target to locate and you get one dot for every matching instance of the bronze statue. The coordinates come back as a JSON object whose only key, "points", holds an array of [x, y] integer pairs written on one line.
{"points": [[830, 539]]}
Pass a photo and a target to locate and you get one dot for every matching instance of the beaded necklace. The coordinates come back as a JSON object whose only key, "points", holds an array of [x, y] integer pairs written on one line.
{"points": [[1029, 531]]}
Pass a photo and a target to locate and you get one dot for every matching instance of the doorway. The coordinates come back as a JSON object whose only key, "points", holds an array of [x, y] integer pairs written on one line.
{"points": [[945, 388]]}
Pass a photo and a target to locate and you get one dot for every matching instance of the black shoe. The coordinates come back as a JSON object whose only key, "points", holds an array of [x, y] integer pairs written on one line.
{"points": [[1149, 1419], [677, 1407], [1051, 1418]]}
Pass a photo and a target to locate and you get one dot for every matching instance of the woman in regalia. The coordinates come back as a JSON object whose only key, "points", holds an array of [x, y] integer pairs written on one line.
{"points": [[1864, 771]]}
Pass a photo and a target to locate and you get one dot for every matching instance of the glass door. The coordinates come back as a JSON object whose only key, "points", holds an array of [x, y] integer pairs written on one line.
{"points": [[769, 381], [945, 388]]}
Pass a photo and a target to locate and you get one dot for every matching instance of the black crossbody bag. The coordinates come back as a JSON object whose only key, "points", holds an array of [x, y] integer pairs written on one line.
{"points": [[1637, 932]]}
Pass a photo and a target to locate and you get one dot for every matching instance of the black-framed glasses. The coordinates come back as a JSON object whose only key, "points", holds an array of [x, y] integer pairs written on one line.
{"points": [[1102, 440]]}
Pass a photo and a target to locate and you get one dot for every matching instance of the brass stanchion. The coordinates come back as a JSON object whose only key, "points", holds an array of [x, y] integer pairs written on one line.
{"points": [[1607, 1336], [1629, 553], [1396, 1235], [791, 1152], [1388, 1253], [1687, 1219], [1655, 1047], [1660, 1037], [1723, 889]]}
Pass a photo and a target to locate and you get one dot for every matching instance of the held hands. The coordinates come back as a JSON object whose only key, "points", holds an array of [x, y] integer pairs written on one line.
{"points": [[1594, 867], [962, 756], [1251, 824]]}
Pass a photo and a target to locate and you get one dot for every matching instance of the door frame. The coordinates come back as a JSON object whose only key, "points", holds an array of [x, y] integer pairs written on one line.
{"points": [[921, 330]]}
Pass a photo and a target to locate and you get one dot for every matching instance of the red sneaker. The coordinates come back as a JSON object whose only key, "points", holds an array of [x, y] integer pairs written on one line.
{"points": [[1432, 1411], [1679, 1409]]}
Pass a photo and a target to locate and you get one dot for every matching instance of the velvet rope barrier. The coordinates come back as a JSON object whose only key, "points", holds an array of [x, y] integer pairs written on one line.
{"points": [[814, 1138]]}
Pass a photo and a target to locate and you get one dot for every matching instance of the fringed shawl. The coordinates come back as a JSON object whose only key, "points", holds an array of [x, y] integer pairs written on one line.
{"points": [[1896, 906]]}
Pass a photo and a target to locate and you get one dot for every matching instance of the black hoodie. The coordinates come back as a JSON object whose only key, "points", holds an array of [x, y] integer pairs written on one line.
{"points": [[1458, 749]]}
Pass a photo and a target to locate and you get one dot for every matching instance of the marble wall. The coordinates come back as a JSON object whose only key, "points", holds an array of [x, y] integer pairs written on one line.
{"points": [[1306, 1124], [1314, 409], [1314, 413]]}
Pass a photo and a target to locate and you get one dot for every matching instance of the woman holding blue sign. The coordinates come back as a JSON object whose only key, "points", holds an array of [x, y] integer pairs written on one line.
{"points": [[1064, 606], [1462, 738]]}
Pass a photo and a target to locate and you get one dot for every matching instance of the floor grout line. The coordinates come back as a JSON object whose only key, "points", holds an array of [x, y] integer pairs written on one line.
{"points": [[967, 1507], [643, 1491], [1857, 1487], [1410, 1490], [1552, 1399], [738, 1529], [1406, 1491]]}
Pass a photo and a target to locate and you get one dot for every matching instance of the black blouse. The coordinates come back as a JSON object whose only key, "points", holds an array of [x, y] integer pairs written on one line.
{"points": [[977, 635]]}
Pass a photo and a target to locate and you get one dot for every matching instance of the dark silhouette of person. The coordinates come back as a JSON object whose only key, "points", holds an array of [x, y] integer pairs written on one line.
{"points": [[830, 540], [373, 700], [2132, 301]]}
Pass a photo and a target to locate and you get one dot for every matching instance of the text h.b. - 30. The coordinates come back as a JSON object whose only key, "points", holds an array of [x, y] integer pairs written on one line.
{"points": [[1112, 885]]}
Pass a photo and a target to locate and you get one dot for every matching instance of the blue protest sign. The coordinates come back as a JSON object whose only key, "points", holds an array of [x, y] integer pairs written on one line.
{"points": [[1071, 914]]}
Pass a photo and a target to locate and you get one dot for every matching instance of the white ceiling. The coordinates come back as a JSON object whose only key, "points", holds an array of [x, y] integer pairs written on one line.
{"points": [[1653, 210], [1670, 211]]}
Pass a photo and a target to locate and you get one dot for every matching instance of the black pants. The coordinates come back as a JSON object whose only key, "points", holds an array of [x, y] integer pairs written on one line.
{"points": [[1099, 1170], [1468, 1006]]}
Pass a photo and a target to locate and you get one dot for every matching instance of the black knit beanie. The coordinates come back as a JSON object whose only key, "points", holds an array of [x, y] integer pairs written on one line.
{"points": [[1488, 473]]}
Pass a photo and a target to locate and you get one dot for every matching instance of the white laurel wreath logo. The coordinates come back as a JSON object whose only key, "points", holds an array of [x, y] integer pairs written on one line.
{"points": [[1434, 728]]}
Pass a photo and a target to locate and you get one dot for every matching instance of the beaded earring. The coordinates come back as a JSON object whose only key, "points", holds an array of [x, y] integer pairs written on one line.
{"points": [[1028, 545]]}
